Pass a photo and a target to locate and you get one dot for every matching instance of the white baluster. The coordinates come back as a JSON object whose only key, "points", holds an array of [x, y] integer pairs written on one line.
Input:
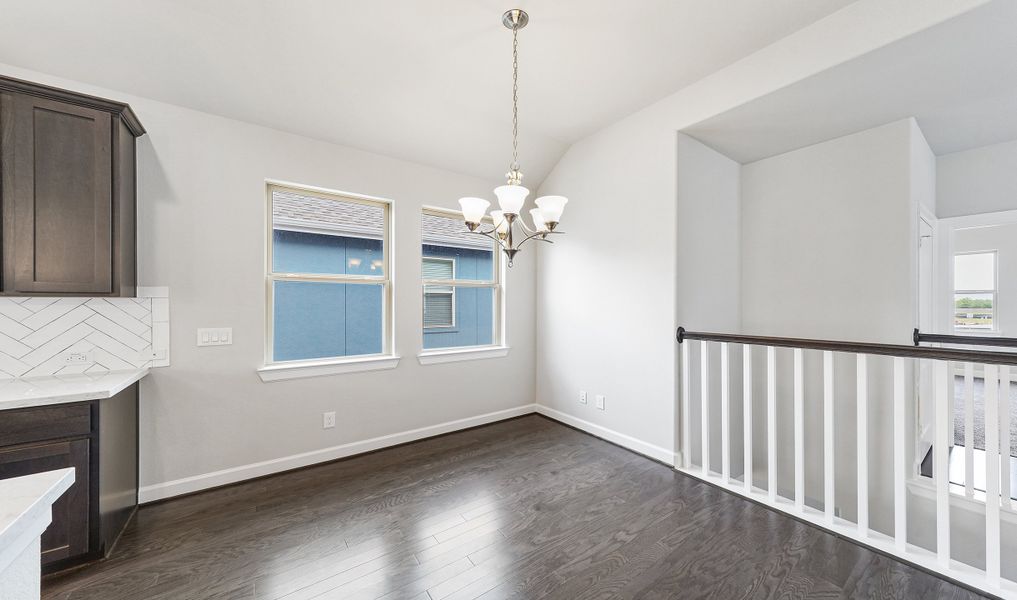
{"points": [[992, 489], [969, 429], [828, 440], [941, 461], [1004, 436], [686, 401], [900, 458], [747, 415], [862, 388], [725, 412], [799, 410], [771, 422], [704, 387]]}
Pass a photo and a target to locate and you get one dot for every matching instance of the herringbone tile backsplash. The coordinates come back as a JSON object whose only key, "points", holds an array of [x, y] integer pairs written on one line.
{"points": [[50, 336]]}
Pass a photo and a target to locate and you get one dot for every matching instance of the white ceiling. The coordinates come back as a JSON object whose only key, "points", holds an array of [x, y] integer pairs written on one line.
{"points": [[427, 81], [958, 79]]}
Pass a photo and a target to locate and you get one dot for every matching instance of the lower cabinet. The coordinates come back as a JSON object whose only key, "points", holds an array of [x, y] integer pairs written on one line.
{"points": [[67, 535], [99, 439]]}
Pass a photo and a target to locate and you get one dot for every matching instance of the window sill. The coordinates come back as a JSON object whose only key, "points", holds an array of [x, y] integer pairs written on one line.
{"points": [[299, 370], [433, 357]]}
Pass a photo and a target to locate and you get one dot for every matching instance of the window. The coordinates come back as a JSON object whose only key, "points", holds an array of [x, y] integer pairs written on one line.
{"points": [[439, 301], [975, 291], [329, 291], [462, 288]]}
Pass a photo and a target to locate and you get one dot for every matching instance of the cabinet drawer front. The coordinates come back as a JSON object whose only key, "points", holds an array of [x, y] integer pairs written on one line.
{"points": [[26, 425]]}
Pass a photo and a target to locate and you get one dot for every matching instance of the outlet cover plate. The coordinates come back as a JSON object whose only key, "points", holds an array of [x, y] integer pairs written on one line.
{"points": [[327, 420], [583, 397]]}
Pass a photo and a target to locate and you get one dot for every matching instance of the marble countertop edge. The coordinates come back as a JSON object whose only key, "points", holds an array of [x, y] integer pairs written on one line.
{"points": [[60, 389]]}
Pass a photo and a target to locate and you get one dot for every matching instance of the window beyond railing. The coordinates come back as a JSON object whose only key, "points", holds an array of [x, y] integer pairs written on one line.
{"points": [[975, 292]]}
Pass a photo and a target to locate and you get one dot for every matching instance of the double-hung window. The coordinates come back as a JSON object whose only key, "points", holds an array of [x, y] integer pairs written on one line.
{"points": [[329, 295], [975, 291], [462, 284]]}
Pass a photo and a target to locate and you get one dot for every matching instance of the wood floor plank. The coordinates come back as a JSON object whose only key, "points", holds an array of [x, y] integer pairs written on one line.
{"points": [[525, 509]]}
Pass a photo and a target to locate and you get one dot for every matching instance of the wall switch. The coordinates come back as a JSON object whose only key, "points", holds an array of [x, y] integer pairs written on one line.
{"points": [[600, 401], [218, 336], [327, 420], [582, 397]]}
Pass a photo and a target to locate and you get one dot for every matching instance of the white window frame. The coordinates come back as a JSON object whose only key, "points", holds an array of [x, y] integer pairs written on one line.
{"points": [[279, 370], [451, 292], [499, 346], [994, 292]]}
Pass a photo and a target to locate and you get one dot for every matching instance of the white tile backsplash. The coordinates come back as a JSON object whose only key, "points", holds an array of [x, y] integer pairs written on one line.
{"points": [[37, 335]]}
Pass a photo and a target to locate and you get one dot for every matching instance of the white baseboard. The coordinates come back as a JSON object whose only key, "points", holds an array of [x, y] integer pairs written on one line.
{"points": [[626, 441], [187, 485]]}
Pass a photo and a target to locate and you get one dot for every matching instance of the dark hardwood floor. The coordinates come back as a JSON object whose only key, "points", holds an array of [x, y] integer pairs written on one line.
{"points": [[526, 508]]}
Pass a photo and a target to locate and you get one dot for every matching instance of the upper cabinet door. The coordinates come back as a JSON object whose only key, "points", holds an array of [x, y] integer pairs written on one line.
{"points": [[58, 208]]}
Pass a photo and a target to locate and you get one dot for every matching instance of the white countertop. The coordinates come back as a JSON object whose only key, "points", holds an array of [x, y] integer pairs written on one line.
{"points": [[59, 389], [25, 509]]}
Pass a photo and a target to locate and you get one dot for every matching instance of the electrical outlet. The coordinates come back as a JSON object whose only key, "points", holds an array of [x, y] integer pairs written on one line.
{"points": [[327, 420], [76, 358], [600, 401], [583, 397]]}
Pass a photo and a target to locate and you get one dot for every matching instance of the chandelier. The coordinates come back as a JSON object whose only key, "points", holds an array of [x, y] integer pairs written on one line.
{"points": [[512, 196]]}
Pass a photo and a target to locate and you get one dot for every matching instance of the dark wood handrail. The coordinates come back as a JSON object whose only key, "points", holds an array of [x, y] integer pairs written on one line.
{"points": [[975, 356], [966, 340]]}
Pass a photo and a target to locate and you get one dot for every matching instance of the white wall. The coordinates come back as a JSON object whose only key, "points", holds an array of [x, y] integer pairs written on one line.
{"points": [[977, 181], [201, 231], [709, 219], [600, 333], [826, 239], [828, 236]]}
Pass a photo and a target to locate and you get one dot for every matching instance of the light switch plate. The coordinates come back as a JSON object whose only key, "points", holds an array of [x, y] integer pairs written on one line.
{"points": [[215, 336], [601, 400]]}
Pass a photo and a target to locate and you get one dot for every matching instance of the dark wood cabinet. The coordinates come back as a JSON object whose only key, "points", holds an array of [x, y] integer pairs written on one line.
{"points": [[67, 534], [67, 180], [99, 439]]}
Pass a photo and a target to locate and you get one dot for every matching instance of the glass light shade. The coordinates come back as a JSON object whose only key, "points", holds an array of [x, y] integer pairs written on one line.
{"points": [[538, 219], [552, 207], [473, 209], [499, 221], [511, 198]]}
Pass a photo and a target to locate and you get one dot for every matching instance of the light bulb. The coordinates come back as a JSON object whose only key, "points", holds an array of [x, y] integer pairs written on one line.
{"points": [[538, 219], [500, 222]]}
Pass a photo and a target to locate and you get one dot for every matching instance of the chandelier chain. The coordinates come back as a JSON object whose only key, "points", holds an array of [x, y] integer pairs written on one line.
{"points": [[515, 100]]}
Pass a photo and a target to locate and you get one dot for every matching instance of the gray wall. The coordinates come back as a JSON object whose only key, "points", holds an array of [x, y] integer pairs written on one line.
{"points": [[201, 231], [977, 181]]}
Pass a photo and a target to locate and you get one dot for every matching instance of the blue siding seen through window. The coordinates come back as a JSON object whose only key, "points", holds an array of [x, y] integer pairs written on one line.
{"points": [[474, 307], [320, 319]]}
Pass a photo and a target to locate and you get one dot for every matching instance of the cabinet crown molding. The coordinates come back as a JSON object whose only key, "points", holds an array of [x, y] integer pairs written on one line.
{"points": [[124, 111]]}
